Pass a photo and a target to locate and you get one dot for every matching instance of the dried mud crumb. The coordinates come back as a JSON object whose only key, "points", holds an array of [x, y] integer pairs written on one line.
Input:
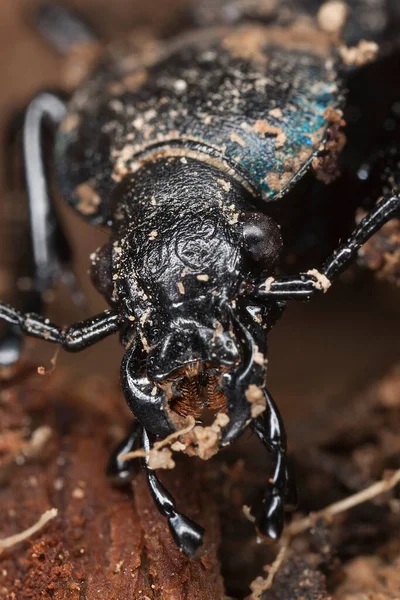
{"points": [[370, 577], [262, 126], [332, 16], [258, 356], [204, 441], [322, 282], [281, 140], [267, 284], [161, 459], [80, 60], [89, 200], [296, 580], [255, 396], [78, 493], [334, 115], [237, 139], [277, 182], [224, 184], [381, 253], [388, 391], [71, 122], [276, 113], [325, 165], [362, 54], [181, 288], [133, 81], [247, 43]]}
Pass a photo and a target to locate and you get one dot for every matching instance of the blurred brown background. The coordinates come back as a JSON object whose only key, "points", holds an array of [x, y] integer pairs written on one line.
{"points": [[319, 353]]}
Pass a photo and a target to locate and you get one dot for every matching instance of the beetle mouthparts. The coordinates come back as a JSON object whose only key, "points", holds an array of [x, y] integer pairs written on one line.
{"points": [[196, 390]]}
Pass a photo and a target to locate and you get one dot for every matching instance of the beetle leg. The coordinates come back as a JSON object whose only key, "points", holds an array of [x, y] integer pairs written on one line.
{"points": [[281, 488], [63, 28], [74, 338], [146, 401], [50, 249], [187, 534], [306, 285], [120, 471]]}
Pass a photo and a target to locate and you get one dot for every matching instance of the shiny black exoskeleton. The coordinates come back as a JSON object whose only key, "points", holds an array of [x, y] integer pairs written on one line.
{"points": [[182, 153]]}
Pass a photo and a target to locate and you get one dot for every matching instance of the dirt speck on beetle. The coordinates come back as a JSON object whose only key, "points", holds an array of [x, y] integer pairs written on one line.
{"points": [[88, 199]]}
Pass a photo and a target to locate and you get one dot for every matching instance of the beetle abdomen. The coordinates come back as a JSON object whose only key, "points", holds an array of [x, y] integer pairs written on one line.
{"points": [[252, 100]]}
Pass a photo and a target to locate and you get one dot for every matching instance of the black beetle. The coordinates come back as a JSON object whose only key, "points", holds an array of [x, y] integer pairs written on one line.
{"points": [[181, 155]]}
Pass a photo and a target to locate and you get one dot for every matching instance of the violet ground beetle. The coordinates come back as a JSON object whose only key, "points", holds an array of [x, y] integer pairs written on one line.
{"points": [[182, 155]]}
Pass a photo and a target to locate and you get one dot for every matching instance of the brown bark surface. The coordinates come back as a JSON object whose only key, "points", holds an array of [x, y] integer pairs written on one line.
{"points": [[103, 543]]}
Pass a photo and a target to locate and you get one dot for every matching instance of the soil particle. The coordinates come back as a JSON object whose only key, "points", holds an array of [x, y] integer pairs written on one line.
{"points": [[295, 580], [89, 200], [370, 578], [255, 396], [238, 140], [322, 282], [382, 252], [325, 165], [204, 441], [332, 16], [79, 63], [362, 54], [247, 43], [264, 127]]}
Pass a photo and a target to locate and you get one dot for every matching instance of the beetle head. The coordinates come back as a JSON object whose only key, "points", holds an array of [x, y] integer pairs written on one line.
{"points": [[183, 251]]}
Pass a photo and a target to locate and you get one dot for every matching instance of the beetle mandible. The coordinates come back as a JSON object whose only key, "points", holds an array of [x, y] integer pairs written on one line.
{"points": [[181, 156]]}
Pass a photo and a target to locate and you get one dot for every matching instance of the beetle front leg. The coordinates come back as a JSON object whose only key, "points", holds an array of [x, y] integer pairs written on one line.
{"points": [[306, 285], [187, 534], [281, 488]]}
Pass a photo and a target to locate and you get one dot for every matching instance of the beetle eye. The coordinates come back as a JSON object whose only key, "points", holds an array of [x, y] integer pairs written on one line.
{"points": [[101, 271], [262, 239]]}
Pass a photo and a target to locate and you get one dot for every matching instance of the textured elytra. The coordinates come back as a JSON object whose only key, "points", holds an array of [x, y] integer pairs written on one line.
{"points": [[250, 100]]}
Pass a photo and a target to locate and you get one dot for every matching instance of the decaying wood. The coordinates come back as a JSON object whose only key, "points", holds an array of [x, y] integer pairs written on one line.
{"points": [[103, 543]]}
